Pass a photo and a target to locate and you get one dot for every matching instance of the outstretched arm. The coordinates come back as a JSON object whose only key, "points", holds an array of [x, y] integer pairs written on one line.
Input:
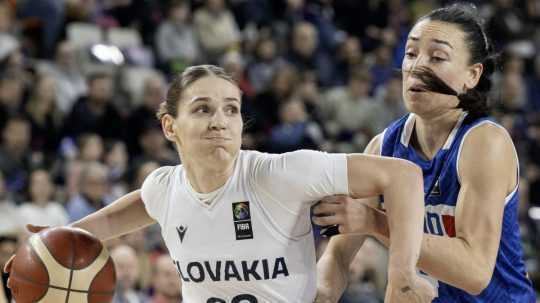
{"points": [[125, 215]]}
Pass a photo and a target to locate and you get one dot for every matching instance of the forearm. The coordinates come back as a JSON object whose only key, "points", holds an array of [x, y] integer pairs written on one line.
{"points": [[123, 216], [446, 259], [333, 266], [405, 234]]}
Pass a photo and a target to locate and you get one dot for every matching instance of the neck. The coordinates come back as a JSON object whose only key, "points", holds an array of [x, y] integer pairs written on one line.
{"points": [[40, 202], [206, 178], [431, 133]]}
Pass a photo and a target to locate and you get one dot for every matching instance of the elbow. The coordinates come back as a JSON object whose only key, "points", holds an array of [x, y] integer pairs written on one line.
{"points": [[407, 171], [477, 283]]}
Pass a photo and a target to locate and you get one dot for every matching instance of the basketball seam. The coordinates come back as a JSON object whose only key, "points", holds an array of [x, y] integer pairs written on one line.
{"points": [[72, 242], [16, 276], [36, 256]]}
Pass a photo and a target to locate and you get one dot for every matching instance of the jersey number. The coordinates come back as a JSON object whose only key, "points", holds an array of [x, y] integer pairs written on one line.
{"points": [[243, 298]]}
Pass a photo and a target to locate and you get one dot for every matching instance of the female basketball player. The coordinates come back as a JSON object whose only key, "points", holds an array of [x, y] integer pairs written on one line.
{"points": [[237, 223], [471, 243]]}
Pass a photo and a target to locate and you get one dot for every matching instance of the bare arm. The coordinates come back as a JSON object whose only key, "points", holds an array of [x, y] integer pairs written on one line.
{"points": [[333, 266], [467, 261], [125, 215]]}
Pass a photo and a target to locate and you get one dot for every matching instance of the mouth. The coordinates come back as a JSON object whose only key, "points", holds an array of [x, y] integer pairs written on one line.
{"points": [[217, 138], [417, 88]]}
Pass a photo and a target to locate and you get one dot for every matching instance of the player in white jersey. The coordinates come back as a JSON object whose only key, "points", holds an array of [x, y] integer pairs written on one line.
{"points": [[237, 223]]}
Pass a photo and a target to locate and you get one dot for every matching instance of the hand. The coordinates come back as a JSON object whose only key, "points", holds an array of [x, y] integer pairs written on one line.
{"points": [[324, 296], [352, 216], [31, 228], [409, 288]]}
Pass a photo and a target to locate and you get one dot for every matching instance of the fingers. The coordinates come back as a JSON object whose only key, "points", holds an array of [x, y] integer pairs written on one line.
{"points": [[327, 220], [35, 228], [9, 263], [327, 208]]}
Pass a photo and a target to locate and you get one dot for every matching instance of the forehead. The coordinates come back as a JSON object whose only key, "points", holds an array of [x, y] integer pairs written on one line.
{"points": [[428, 30], [211, 87]]}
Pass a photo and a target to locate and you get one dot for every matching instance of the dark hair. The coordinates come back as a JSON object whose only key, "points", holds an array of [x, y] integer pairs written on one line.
{"points": [[475, 100], [183, 81]]}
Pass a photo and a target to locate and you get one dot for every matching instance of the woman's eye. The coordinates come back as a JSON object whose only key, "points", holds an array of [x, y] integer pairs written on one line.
{"points": [[410, 55], [232, 110], [202, 109], [438, 59]]}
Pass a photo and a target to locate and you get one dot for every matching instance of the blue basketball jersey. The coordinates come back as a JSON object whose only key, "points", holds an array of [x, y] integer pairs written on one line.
{"points": [[509, 283]]}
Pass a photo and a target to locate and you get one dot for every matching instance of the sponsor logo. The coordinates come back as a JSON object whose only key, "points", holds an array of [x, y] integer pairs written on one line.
{"points": [[242, 220], [181, 232]]}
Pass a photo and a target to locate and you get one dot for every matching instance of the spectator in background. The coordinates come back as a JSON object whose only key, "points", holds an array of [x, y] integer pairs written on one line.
{"points": [[264, 65], [216, 29], [7, 21], [533, 87], [96, 113], [154, 147], [143, 242], [15, 154], [351, 116], [348, 57], [8, 246], [70, 82], [234, 64], [390, 97], [116, 158], [11, 222], [176, 44], [167, 284], [295, 131], [127, 274], [94, 190], [41, 209], [51, 14], [304, 54], [382, 68], [145, 114], [44, 116], [11, 96]]}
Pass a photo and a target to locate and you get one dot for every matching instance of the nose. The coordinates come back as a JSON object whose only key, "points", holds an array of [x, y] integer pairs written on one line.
{"points": [[218, 120]]}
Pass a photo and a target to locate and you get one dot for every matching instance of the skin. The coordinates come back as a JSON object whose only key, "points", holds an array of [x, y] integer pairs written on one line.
{"points": [[468, 260], [207, 131]]}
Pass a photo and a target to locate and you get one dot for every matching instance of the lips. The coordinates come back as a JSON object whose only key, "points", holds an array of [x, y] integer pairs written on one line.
{"points": [[417, 88]]}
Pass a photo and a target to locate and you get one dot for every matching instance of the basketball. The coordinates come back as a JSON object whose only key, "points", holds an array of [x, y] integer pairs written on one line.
{"points": [[62, 264]]}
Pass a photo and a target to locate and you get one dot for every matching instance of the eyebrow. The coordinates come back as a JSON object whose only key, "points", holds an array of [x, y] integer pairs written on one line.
{"points": [[208, 99], [434, 40]]}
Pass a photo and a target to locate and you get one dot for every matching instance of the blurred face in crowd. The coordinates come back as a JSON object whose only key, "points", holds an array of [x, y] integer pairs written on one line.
{"points": [[351, 51], [440, 46], [91, 148], [45, 94], [305, 39], [266, 50], [512, 90], [65, 55], [180, 13], [154, 92], [293, 111], [143, 171], [101, 90], [94, 181], [215, 6], [7, 249], [5, 17], [16, 135], [11, 91], [152, 141], [41, 187], [359, 86], [208, 125], [166, 279], [284, 81], [126, 266]]}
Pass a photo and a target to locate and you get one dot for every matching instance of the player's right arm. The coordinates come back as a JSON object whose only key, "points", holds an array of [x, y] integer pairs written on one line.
{"points": [[333, 266], [125, 215]]}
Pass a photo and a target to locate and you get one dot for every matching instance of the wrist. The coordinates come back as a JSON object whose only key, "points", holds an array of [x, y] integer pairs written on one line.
{"points": [[379, 224]]}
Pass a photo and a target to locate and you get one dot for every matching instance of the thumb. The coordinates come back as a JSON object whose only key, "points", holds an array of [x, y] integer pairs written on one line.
{"points": [[35, 228], [7, 267]]}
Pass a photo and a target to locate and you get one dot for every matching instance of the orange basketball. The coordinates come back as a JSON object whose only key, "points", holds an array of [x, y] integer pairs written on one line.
{"points": [[62, 264]]}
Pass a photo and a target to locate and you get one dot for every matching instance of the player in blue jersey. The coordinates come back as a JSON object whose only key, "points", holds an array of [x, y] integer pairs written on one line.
{"points": [[471, 246]]}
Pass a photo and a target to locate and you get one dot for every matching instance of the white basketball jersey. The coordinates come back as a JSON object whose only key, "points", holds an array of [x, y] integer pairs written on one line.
{"points": [[254, 242]]}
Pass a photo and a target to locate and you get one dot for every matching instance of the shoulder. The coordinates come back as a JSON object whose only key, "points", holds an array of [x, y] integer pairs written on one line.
{"points": [[486, 136]]}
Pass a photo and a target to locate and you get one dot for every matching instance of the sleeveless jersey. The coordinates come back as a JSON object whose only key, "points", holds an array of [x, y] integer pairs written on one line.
{"points": [[254, 242], [509, 283]]}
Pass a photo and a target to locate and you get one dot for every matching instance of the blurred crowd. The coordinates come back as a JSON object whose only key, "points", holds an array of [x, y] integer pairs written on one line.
{"points": [[81, 80]]}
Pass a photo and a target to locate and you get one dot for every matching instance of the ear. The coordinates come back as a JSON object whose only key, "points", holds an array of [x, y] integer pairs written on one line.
{"points": [[169, 127], [473, 75]]}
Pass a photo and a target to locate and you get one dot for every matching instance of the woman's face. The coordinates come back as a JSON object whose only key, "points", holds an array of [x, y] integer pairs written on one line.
{"points": [[441, 47], [209, 124], [41, 187]]}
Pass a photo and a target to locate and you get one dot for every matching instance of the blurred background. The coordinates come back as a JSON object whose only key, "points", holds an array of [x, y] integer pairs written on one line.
{"points": [[81, 80]]}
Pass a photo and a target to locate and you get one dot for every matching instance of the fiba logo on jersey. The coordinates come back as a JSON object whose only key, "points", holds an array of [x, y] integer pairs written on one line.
{"points": [[241, 211], [242, 220]]}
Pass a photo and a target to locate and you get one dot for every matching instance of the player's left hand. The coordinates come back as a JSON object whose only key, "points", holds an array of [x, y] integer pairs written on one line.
{"points": [[351, 215], [409, 289]]}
